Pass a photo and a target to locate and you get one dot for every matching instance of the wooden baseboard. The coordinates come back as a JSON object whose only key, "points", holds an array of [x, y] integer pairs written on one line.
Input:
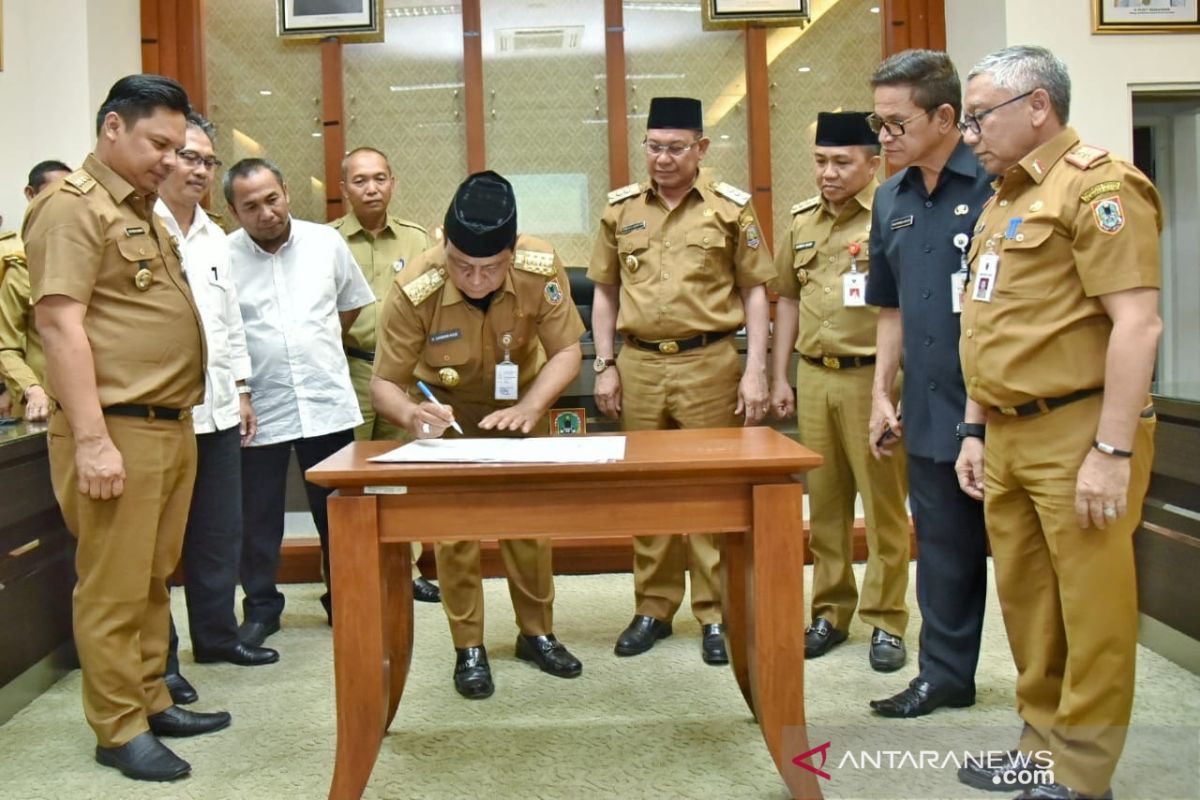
{"points": [[301, 557]]}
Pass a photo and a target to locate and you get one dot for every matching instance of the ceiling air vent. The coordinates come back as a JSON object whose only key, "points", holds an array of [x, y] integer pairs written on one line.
{"points": [[527, 40]]}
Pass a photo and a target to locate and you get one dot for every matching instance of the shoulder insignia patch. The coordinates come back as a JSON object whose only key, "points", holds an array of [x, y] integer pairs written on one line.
{"points": [[422, 287], [1085, 156], [1104, 187], [624, 193], [730, 192], [337, 223], [806, 205], [534, 261], [407, 224], [80, 180]]}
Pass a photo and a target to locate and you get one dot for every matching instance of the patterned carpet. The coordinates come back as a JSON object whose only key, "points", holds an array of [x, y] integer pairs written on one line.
{"points": [[657, 726]]}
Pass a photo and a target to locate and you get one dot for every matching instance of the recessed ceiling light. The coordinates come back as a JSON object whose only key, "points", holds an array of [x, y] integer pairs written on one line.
{"points": [[316, 134], [804, 69], [265, 92], [725, 137], [874, 9]]}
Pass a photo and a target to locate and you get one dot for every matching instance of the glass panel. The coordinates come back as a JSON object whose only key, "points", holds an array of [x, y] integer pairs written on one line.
{"points": [[545, 116], [824, 66], [668, 53], [404, 96], [265, 98]]}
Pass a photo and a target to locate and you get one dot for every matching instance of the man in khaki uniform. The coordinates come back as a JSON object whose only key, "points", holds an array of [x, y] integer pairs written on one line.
{"points": [[1060, 329], [488, 321], [382, 245], [22, 361], [679, 265], [125, 362], [823, 264]]}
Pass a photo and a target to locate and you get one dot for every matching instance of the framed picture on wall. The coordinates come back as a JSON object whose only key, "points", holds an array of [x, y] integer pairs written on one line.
{"points": [[722, 14], [1145, 16], [349, 20]]}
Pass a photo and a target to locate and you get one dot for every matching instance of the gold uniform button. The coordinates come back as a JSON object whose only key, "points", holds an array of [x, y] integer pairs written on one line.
{"points": [[141, 251], [666, 276], [1003, 203], [828, 290], [825, 324], [835, 227], [667, 243], [970, 333], [1020, 237], [832, 259], [704, 240]]}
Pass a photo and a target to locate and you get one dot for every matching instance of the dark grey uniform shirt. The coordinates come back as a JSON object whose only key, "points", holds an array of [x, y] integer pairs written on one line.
{"points": [[912, 259]]}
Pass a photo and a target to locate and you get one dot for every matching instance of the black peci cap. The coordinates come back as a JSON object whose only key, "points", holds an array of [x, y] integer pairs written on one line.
{"points": [[683, 113], [844, 128], [482, 218]]}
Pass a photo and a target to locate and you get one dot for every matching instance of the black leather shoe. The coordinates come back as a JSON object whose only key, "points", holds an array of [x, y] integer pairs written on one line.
{"points": [[1056, 791], [888, 652], [472, 673], [182, 692], [550, 655], [240, 653], [922, 697], [1011, 773], [821, 637], [176, 721], [712, 645], [144, 758], [641, 635], [426, 592], [255, 633]]}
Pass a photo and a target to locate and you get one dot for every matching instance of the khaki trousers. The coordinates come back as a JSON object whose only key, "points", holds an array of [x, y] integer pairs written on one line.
{"points": [[527, 563], [127, 548], [833, 411], [1069, 595], [694, 389], [375, 427]]}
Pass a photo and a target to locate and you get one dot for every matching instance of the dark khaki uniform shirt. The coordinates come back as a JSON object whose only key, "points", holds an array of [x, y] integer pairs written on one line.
{"points": [[22, 361], [429, 331], [11, 250], [680, 269], [1069, 223], [87, 239], [380, 258], [812, 264]]}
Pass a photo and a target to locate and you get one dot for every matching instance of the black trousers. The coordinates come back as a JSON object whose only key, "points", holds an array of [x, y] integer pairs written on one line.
{"points": [[951, 572], [212, 545], [264, 483]]}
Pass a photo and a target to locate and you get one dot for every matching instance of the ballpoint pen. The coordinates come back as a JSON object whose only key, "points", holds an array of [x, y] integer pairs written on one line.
{"points": [[429, 395]]}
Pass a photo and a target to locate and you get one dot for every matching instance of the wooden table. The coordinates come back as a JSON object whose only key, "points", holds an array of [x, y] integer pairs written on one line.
{"points": [[739, 482]]}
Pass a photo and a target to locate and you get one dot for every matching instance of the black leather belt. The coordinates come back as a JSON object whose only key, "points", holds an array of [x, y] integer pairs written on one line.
{"points": [[1041, 406], [840, 362], [672, 346], [361, 355], [148, 412]]}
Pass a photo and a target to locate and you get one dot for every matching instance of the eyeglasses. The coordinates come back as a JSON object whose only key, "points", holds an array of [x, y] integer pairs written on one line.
{"points": [[194, 159], [895, 128], [970, 122], [673, 150]]}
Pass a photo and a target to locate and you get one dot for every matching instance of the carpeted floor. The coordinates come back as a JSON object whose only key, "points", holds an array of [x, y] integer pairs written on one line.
{"points": [[658, 726]]}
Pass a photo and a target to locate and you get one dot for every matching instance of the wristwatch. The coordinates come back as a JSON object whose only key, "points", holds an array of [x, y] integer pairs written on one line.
{"points": [[243, 389], [601, 364], [965, 429]]}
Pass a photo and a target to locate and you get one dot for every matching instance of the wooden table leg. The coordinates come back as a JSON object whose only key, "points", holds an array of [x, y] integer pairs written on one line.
{"points": [[397, 621], [776, 629], [733, 603], [358, 640]]}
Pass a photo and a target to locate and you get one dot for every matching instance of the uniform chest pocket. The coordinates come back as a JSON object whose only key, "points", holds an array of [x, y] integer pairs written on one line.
{"points": [[633, 251], [449, 353], [1028, 261], [803, 263], [704, 248], [141, 253]]}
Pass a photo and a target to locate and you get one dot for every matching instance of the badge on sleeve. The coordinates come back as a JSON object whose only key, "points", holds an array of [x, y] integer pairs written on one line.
{"points": [[554, 294], [752, 240], [1110, 216]]}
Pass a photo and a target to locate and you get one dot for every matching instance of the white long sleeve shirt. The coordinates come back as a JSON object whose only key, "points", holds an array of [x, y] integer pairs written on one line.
{"points": [[290, 301], [205, 250]]}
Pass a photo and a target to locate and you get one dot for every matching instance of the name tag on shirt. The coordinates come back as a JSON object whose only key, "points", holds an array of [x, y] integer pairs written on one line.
{"points": [[805, 246], [902, 222], [445, 336], [506, 381], [985, 280], [854, 289]]}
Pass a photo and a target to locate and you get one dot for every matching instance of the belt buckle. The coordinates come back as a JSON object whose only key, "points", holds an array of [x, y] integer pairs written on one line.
{"points": [[185, 414], [150, 413], [831, 362], [669, 348], [1008, 411]]}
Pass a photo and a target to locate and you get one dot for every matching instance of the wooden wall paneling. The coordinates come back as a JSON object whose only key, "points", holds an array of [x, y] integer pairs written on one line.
{"points": [[618, 109], [472, 21], [758, 133], [149, 22], [333, 115], [909, 24], [173, 45]]}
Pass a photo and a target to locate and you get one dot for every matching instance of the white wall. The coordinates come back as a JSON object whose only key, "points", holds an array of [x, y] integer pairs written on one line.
{"points": [[60, 57], [1105, 70]]}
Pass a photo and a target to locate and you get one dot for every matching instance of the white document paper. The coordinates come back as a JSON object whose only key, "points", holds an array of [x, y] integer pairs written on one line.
{"points": [[541, 450]]}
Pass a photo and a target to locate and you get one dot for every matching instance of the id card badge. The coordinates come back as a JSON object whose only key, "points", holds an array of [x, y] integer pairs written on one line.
{"points": [[985, 279], [506, 381], [854, 289], [958, 287]]}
